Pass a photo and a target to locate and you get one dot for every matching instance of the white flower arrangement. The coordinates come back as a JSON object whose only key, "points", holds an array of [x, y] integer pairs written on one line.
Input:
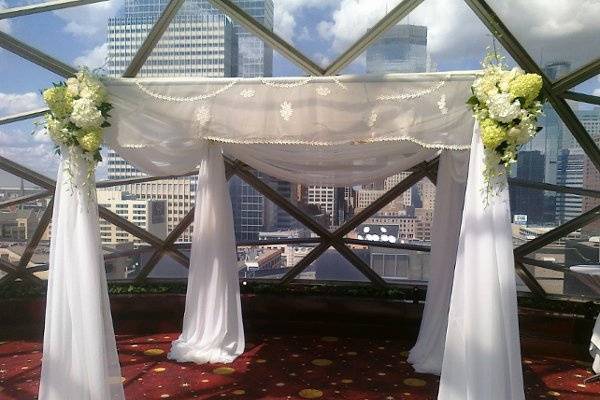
{"points": [[507, 104], [78, 112]]}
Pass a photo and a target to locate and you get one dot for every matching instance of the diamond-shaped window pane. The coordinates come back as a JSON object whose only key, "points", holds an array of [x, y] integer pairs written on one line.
{"points": [[439, 35], [591, 87], [561, 35], [103, 36]]}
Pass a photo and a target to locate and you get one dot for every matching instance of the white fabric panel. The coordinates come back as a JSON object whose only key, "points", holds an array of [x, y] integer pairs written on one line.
{"points": [[161, 125], [212, 323], [80, 356], [332, 165], [482, 356], [427, 354]]}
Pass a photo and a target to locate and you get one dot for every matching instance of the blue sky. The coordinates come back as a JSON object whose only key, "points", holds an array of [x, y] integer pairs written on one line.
{"points": [[321, 29]]}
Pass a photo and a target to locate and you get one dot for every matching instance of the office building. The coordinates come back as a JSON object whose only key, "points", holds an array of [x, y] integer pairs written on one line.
{"points": [[147, 214], [402, 48]]}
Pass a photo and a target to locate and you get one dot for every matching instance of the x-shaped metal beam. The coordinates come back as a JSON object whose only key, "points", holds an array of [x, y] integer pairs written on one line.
{"points": [[334, 239]]}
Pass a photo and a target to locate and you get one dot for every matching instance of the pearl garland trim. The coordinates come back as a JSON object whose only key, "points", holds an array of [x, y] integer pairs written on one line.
{"points": [[186, 99], [412, 95]]}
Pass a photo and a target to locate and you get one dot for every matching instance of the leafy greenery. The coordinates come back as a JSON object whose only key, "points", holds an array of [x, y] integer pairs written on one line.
{"points": [[22, 290]]}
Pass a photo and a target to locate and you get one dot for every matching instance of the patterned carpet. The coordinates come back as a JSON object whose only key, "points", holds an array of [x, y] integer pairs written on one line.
{"points": [[285, 367]]}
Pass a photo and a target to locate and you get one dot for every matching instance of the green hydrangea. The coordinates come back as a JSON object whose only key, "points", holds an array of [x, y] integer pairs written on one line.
{"points": [[527, 86], [59, 100], [91, 140], [492, 134]]}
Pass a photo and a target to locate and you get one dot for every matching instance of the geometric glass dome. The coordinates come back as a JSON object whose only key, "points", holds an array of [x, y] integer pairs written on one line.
{"points": [[375, 234]]}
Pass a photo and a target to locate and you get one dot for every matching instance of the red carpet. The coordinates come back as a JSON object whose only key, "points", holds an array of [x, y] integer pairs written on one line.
{"points": [[285, 367]]}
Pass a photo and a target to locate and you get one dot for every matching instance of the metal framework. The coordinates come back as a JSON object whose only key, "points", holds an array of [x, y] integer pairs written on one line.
{"points": [[557, 93]]}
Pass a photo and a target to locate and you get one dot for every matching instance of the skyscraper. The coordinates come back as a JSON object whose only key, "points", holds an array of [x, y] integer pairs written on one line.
{"points": [[569, 173], [590, 119], [525, 201], [195, 44], [551, 140], [200, 41], [402, 48]]}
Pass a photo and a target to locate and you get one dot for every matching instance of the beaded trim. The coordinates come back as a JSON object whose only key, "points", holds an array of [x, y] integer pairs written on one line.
{"points": [[340, 142], [245, 93], [456, 147], [412, 95], [286, 85], [186, 99]]}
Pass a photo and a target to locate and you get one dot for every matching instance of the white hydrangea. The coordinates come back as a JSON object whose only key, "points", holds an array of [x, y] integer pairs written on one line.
{"points": [[56, 128], [73, 87], [85, 114], [502, 108], [91, 88], [485, 87]]}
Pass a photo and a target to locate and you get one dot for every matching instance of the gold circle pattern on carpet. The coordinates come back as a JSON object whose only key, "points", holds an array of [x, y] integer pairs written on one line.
{"points": [[223, 371], [321, 362], [159, 369], [153, 352], [239, 392], [414, 382], [329, 339], [310, 393]]}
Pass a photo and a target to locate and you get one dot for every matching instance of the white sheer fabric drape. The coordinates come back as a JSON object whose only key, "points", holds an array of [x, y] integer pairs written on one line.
{"points": [[162, 125], [427, 354], [482, 356], [212, 323], [79, 357]]}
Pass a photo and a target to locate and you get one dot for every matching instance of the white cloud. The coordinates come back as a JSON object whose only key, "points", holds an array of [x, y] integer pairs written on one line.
{"points": [[322, 59], [13, 103], [565, 30], [90, 20], [304, 34], [284, 24], [284, 20], [33, 151], [351, 20], [5, 25], [95, 58]]}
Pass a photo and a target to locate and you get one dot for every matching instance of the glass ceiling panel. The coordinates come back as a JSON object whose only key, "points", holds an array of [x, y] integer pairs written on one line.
{"points": [[591, 86], [21, 83], [589, 116], [24, 143], [555, 154], [86, 35], [321, 30], [561, 35], [439, 35]]}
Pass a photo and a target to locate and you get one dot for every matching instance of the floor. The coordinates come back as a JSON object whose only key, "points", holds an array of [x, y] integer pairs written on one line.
{"points": [[286, 367]]}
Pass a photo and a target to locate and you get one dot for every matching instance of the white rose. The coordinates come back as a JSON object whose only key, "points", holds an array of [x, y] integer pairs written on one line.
{"points": [[519, 135], [85, 114], [509, 76], [485, 87], [502, 108]]}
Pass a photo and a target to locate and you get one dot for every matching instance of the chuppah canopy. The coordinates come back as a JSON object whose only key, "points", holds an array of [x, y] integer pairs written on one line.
{"points": [[330, 131]]}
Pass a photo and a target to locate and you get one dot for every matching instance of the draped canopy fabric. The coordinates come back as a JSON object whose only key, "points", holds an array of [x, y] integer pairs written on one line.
{"points": [[283, 126], [333, 131]]}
